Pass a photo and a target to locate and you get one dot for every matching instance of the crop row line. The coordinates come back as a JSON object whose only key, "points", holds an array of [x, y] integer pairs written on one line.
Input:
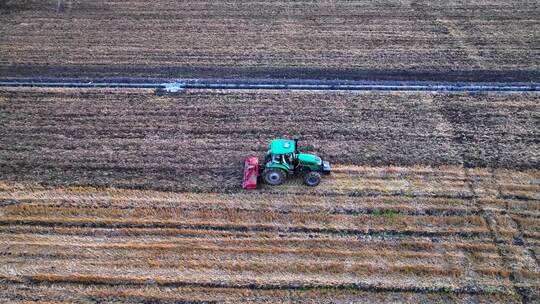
{"points": [[244, 228], [47, 278], [287, 209]]}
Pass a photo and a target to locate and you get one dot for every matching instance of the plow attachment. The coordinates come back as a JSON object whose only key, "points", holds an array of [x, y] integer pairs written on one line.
{"points": [[251, 172]]}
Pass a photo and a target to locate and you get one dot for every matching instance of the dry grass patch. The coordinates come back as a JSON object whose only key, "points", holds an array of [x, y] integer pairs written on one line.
{"points": [[97, 236]]}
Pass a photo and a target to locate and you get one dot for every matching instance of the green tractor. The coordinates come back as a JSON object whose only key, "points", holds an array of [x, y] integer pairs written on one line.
{"points": [[283, 160]]}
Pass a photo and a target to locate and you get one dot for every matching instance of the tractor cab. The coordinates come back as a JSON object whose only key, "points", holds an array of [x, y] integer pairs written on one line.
{"points": [[282, 155]]}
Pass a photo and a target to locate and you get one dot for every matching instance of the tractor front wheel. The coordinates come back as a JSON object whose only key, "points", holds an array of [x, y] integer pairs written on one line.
{"points": [[312, 178], [274, 177]]}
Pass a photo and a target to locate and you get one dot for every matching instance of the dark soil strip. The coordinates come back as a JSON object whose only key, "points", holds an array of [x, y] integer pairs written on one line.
{"points": [[397, 194], [92, 298], [192, 206], [107, 232], [45, 279], [345, 232], [142, 300], [270, 72], [9, 202], [517, 197]]}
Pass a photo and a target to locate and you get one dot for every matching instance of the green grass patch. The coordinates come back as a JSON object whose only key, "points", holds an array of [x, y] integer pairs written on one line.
{"points": [[386, 213]]}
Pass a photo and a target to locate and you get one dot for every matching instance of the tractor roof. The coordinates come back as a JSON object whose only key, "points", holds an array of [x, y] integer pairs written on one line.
{"points": [[282, 146]]}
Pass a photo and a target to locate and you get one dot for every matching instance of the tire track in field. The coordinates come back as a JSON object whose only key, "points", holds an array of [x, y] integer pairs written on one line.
{"points": [[459, 37], [526, 293]]}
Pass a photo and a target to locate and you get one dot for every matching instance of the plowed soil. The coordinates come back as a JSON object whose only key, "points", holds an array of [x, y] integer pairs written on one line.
{"points": [[413, 40], [198, 140]]}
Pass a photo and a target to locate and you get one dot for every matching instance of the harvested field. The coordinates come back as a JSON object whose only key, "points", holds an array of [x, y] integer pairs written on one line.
{"points": [[409, 233], [123, 196], [197, 141], [426, 40]]}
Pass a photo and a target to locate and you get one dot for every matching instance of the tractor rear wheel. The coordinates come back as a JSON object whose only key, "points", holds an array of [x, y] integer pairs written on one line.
{"points": [[312, 178], [274, 176]]}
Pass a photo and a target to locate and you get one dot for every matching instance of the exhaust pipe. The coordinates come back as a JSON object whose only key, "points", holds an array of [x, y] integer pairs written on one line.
{"points": [[295, 138]]}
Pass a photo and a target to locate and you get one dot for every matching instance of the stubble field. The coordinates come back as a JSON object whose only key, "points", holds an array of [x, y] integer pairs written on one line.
{"points": [[123, 196], [404, 234], [426, 40]]}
